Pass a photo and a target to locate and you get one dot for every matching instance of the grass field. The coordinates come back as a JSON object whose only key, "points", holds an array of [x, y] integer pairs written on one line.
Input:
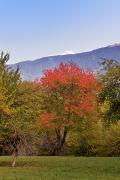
{"points": [[60, 168]]}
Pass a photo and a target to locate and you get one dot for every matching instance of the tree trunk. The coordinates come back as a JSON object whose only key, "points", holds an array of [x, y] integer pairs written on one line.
{"points": [[14, 161], [15, 154], [61, 141]]}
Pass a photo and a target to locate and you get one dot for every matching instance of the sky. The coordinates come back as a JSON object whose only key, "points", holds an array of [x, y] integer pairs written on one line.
{"points": [[30, 29]]}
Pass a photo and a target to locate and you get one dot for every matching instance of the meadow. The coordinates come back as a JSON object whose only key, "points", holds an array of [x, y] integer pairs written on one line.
{"points": [[60, 168]]}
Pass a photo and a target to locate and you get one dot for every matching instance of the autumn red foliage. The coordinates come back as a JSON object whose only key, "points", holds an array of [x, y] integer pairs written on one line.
{"points": [[71, 74], [68, 94]]}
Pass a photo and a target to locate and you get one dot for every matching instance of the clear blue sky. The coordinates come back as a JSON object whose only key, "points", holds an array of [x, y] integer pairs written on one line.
{"points": [[30, 29]]}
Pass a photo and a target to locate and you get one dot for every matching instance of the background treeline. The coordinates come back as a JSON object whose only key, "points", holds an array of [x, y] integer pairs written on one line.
{"points": [[26, 126]]}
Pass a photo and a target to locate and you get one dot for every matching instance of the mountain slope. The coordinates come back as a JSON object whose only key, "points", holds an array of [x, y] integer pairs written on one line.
{"points": [[33, 69]]}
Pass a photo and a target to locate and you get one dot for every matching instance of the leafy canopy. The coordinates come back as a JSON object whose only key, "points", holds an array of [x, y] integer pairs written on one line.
{"points": [[68, 95]]}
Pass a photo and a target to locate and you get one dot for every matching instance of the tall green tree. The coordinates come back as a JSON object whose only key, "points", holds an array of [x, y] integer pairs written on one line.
{"points": [[23, 132], [18, 112], [109, 97]]}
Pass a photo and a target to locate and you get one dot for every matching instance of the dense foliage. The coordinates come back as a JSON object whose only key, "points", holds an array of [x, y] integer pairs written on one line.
{"points": [[68, 95], [67, 111], [110, 94], [18, 111]]}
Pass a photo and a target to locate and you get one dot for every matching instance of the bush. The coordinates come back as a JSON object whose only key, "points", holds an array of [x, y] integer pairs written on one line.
{"points": [[87, 142], [112, 140]]}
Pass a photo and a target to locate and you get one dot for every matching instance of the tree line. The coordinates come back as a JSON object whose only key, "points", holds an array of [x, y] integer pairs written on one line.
{"points": [[68, 111]]}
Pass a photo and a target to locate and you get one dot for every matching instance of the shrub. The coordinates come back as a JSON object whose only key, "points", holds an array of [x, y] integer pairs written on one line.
{"points": [[112, 140]]}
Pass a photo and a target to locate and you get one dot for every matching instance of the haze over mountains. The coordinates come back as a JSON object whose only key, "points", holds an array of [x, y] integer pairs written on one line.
{"points": [[31, 70]]}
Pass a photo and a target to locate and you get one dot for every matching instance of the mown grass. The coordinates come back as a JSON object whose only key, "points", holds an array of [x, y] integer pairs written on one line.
{"points": [[60, 168]]}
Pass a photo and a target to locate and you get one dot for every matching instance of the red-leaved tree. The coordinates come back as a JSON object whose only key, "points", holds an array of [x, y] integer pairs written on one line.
{"points": [[68, 94]]}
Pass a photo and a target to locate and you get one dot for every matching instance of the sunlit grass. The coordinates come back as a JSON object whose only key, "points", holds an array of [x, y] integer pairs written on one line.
{"points": [[61, 168]]}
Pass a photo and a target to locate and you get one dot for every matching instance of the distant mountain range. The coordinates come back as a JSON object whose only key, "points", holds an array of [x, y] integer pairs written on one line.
{"points": [[31, 70]]}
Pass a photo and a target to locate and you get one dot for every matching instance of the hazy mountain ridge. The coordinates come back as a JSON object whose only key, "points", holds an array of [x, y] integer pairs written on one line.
{"points": [[88, 60]]}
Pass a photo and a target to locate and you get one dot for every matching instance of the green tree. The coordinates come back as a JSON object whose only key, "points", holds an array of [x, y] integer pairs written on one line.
{"points": [[109, 97], [18, 127], [23, 132]]}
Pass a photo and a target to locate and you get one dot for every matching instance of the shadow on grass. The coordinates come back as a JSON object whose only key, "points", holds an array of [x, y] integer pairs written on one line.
{"points": [[19, 164]]}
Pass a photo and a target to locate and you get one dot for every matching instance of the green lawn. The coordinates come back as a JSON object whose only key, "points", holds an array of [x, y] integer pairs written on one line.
{"points": [[60, 168]]}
